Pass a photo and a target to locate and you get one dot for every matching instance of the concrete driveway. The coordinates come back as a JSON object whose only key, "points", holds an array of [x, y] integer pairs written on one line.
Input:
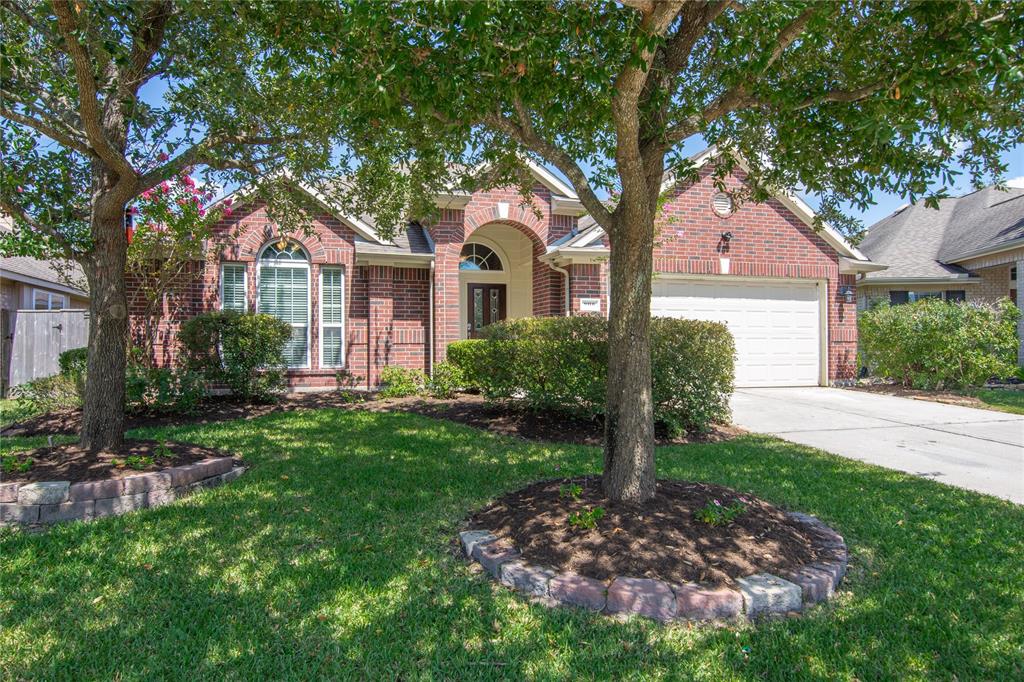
{"points": [[977, 449]]}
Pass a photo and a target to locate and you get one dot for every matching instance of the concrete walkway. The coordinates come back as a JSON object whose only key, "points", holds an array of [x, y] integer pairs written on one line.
{"points": [[980, 450]]}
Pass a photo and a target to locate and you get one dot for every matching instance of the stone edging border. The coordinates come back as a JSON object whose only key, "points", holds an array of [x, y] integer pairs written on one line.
{"points": [[759, 595], [46, 502]]}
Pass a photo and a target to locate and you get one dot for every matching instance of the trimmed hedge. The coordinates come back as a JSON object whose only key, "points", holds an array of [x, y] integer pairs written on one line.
{"points": [[242, 350], [932, 343], [561, 364]]}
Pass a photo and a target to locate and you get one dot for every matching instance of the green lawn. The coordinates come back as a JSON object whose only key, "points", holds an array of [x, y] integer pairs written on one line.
{"points": [[1004, 401], [333, 558]]}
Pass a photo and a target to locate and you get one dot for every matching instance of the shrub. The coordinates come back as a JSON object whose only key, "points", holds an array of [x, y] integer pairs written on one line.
{"points": [[73, 364], [693, 363], [57, 392], [163, 390], [447, 379], [399, 382], [931, 344], [470, 358], [73, 361], [561, 364], [242, 350]]}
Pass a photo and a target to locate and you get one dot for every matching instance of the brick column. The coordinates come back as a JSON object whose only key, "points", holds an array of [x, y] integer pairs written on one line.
{"points": [[381, 319], [448, 234]]}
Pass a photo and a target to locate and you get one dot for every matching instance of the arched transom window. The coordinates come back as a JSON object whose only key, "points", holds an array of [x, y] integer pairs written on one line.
{"points": [[283, 291], [479, 257]]}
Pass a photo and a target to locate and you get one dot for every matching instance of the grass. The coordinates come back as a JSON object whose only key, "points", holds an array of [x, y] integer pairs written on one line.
{"points": [[1003, 400], [333, 558]]}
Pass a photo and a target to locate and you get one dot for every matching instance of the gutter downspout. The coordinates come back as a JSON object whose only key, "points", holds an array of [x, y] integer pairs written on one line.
{"points": [[565, 274], [430, 333]]}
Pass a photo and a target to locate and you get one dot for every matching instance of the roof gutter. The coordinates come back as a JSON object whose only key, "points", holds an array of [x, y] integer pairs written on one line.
{"points": [[886, 281], [988, 251]]}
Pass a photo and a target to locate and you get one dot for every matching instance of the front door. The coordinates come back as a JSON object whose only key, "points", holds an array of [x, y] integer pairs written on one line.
{"points": [[486, 306]]}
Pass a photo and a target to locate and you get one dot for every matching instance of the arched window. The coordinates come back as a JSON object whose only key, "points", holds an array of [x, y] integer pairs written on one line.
{"points": [[479, 257], [283, 291]]}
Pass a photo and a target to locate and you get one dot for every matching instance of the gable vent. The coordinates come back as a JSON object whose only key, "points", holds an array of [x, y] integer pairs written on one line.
{"points": [[722, 204]]}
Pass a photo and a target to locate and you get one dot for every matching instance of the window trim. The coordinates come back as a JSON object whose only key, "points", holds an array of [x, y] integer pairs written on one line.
{"points": [[307, 266], [474, 245], [320, 314], [65, 301], [245, 283]]}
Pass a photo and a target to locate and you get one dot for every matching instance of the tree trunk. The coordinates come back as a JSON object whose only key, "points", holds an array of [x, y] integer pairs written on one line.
{"points": [[103, 407], [629, 422]]}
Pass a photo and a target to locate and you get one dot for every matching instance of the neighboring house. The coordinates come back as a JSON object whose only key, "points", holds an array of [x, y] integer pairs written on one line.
{"points": [[969, 249], [31, 290], [360, 303], [32, 284]]}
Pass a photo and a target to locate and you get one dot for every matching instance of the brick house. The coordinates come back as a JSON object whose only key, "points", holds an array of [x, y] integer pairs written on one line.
{"points": [[969, 249], [357, 302]]}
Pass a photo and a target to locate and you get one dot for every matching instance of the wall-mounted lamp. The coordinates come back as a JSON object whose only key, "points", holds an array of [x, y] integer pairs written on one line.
{"points": [[727, 237], [847, 293]]}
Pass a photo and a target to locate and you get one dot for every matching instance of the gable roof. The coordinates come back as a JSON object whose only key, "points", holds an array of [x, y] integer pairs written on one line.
{"points": [[590, 232], [918, 242], [35, 271]]}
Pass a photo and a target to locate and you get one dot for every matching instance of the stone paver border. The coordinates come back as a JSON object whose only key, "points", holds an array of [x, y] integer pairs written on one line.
{"points": [[758, 596], [46, 502]]}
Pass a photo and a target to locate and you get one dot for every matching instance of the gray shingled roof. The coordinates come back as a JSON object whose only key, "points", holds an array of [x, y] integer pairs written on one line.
{"points": [[921, 242], [410, 241], [45, 271]]}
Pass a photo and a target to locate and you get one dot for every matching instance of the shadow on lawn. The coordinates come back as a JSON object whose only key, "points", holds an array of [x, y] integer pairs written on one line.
{"points": [[332, 557]]}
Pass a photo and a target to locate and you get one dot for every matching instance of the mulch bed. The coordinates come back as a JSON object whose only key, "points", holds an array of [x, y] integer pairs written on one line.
{"points": [[537, 426], [72, 463], [464, 409], [660, 539], [917, 394]]}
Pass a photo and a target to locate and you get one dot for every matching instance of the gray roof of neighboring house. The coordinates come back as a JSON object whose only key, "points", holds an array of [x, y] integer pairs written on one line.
{"points": [[918, 242], [409, 241], [45, 271]]}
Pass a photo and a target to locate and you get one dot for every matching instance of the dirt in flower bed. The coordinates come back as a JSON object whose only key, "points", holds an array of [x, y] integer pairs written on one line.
{"points": [[465, 409], [660, 539], [72, 463]]}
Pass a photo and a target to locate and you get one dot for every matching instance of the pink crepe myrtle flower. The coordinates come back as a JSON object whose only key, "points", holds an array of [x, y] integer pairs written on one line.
{"points": [[147, 194], [164, 187], [162, 156], [202, 212], [21, 190], [227, 211], [188, 181], [229, 201]]}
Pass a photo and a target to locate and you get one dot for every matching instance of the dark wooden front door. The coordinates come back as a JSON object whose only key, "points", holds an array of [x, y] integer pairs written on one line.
{"points": [[486, 306]]}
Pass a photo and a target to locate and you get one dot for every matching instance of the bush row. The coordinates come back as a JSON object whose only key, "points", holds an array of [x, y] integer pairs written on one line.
{"points": [[561, 364], [933, 344]]}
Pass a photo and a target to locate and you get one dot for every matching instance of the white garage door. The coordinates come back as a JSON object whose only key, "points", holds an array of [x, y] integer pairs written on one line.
{"points": [[777, 325]]}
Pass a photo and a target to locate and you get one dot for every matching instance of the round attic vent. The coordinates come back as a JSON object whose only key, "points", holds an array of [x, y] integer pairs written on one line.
{"points": [[722, 204]]}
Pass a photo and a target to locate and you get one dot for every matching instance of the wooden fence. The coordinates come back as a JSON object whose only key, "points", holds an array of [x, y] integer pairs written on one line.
{"points": [[33, 340]]}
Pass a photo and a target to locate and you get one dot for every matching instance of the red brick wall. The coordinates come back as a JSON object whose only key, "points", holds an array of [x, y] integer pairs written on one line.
{"points": [[392, 339], [588, 281], [768, 240]]}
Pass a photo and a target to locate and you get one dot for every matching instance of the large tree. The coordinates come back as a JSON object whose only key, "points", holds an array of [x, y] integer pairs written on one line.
{"points": [[839, 99], [103, 100]]}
